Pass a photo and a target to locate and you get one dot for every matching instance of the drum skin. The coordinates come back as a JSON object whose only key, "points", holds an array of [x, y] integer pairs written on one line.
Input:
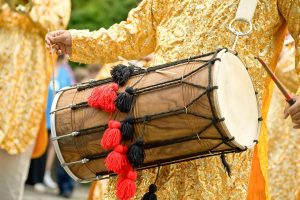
{"points": [[168, 128]]}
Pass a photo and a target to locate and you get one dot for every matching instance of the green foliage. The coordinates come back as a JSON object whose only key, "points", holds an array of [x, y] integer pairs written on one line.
{"points": [[94, 14]]}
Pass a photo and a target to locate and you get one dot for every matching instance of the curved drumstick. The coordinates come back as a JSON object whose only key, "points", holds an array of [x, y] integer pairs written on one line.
{"points": [[287, 96]]}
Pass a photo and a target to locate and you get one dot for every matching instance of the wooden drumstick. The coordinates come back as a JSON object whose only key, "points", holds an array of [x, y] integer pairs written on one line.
{"points": [[287, 96]]}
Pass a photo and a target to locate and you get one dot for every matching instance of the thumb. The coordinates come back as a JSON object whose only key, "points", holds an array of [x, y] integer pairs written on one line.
{"points": [[286, 113]]}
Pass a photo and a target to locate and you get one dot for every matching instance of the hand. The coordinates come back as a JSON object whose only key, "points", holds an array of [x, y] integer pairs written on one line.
{"points": [[294, 112], [60, 40]]}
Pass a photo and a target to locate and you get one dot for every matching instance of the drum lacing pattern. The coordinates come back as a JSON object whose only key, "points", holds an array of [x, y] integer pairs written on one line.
{"points": [[166, 84]]}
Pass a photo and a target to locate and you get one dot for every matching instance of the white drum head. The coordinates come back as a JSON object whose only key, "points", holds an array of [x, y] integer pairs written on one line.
{"points": [[235, 99]]}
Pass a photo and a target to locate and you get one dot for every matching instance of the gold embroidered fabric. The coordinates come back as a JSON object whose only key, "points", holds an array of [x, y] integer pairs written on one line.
{"points": [[24, 70], [284, 151], [179, 29]]}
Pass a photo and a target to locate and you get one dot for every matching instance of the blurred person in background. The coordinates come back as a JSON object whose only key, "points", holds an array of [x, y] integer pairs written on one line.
{"points": [[284, 140], [24, 77]]}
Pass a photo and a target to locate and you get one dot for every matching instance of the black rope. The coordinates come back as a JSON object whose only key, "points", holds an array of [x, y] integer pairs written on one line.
{"points": [[176, 159], [86, 85], [225, 164], [79, 105]]}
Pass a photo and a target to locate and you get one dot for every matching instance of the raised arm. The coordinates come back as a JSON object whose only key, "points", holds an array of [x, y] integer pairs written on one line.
{"points": [[131, 39]]}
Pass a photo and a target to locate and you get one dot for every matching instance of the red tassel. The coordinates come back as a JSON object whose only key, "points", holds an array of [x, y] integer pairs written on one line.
{"points": [[126, 186], [112, 135], [117, 161], [103, 97]]}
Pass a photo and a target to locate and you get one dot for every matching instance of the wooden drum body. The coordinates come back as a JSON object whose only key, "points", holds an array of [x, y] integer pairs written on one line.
{"points": [[190, 109]]}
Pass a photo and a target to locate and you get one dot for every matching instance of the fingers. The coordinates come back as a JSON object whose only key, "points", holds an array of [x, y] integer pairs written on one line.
{"points": [[294, 112], [293, 109], [48, 42], [286, 113], [296, 116], [56, 33], [63, 49], [55, 37], [297, 127], [59, 51], [59, 48]]}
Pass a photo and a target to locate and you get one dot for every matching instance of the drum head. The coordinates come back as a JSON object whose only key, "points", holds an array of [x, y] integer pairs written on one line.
{"points": [[235, 99]]}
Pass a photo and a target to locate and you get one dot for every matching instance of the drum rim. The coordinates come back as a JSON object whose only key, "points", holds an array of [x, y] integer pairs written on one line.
{"points": [[55, 142], [217, 108]]}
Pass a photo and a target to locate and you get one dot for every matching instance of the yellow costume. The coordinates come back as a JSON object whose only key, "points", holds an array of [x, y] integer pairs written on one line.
{"points": [[24, 70], [179, 29], [284, 151]]}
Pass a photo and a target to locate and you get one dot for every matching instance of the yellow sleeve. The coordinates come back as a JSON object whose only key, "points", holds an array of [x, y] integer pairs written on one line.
{"points": [[291, 13], [130, 39], [50, 15]]}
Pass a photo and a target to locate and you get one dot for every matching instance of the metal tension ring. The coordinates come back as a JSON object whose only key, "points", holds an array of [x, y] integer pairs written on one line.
{"points": [[240, 33]]}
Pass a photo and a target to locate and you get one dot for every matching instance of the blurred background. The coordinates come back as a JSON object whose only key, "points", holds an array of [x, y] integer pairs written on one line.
{"points": [[94, 14]]}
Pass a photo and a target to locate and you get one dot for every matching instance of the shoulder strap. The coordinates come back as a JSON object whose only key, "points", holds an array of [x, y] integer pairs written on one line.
{"points": [[246, 10]]}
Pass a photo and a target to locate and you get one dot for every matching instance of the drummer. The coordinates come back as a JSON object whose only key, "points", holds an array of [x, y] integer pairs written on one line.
{"points": [[179, 29]]}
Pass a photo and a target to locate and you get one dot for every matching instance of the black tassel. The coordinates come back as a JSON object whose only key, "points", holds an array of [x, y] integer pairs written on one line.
{"points": [[225, 164], [124, 100], [127, 129], [121, 73], [151, 194], [136, 154]]}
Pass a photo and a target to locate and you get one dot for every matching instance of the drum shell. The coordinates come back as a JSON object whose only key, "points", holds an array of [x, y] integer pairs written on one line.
{"points": [[179, 129]]}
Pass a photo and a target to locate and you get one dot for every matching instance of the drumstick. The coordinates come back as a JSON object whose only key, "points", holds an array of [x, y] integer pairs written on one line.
{"points": [[130, 63], [53, 68], [287, 96]]}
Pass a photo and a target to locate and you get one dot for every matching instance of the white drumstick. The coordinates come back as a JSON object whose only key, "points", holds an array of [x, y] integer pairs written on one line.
{"points": [[53, 69]]}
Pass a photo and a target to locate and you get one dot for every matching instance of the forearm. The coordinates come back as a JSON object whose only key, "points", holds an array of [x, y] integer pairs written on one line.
{"points": [[102, 47]]}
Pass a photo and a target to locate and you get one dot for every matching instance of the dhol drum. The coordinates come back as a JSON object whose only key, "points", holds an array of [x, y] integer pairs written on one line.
{"points": [[197, 107]]}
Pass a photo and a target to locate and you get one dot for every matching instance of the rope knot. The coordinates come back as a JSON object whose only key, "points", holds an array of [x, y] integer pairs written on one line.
{"points": [[217, 120], [212, 61], [211, 88], [146, 118], [130, 90]]}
